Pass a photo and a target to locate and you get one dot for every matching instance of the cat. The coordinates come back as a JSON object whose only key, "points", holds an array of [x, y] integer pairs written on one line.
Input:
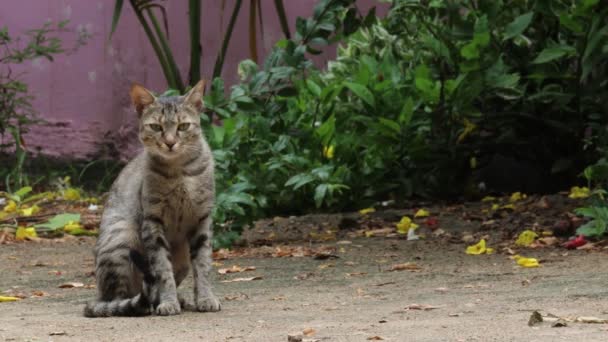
{"points": [[157, 220]]}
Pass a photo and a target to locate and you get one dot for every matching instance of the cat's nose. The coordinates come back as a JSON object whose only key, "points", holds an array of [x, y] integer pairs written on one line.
{"points": [[170, 144]]}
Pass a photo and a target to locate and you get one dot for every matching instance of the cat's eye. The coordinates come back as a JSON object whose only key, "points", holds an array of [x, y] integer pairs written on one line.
{"points": [[183, 126], [156, 127]]}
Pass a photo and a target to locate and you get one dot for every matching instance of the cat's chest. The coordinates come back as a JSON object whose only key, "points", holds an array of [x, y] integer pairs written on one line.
{"points": [[182, 203]]}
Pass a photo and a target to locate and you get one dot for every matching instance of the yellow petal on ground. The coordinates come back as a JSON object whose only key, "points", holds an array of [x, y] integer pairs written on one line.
{"points": [[29, 211], [10, 207], [71, 226], [495, 206], [526, 262], [488, 199], [526, 238], [405, 225], [479, 248], [508, 206], [22, 233], [366, 211], [8, 299], [473, 162], [422, 213], [517, 196], [71, 194], [582, 192]]}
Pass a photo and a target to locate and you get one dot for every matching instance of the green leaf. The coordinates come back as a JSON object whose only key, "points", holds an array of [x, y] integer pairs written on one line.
{"points": [[58, 221], [482, 32], [115, 16], [320, 192], [470, 51], [20, 194], [554, 52], [327, 129], [593, 228], [391, 124], [406, 112], [313, 87], [299, 180], [570, 23], [518, 26], [362, 92]]}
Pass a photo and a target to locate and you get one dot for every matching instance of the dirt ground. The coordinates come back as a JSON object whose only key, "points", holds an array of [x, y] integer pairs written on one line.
{"points": [[339, 288], [350, 298]]}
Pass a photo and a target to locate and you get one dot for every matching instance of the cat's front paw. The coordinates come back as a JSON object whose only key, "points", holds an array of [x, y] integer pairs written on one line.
{"points": [[168, 309], [208, 304]]}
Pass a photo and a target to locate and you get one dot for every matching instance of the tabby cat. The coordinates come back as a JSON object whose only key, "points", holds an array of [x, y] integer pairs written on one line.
{"points": [[157, 218]]}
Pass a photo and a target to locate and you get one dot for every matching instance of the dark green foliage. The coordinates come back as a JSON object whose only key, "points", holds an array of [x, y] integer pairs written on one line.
{"points": [[412, 105]]}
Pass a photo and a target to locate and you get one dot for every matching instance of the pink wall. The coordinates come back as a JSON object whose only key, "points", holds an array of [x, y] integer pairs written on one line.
{"points": [[84, 95]]}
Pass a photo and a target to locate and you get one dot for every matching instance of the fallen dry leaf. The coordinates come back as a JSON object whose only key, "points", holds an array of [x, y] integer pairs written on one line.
{"points": [[39, 294], [387, 283], [235, 269], [309, 331], [58, 333], [241, 279], [356, 274], [375, 338], [423, 307], [596, 320], [238, 296], [71, 285], [408, 266]]}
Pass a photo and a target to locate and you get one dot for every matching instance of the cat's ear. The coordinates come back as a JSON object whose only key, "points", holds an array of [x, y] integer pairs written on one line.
{"points": [[195, 95], [141, 97]]}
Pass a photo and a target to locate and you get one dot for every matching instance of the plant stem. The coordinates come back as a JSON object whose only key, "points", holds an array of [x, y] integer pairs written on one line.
{"points": [[219, 62], [278, 4], [159, 53], [253, 40], [195, 41], [174, 70]]}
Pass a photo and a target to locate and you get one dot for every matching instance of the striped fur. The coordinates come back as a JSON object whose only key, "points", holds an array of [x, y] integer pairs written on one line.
{"points": [[156, 223]]}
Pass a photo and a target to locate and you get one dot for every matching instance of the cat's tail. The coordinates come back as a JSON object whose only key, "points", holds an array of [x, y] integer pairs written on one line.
{"points": [[139, 305], [136, 306]]}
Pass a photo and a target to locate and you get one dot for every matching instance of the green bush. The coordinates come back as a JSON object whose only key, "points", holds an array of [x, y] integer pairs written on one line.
{"points": [[413, 103]]}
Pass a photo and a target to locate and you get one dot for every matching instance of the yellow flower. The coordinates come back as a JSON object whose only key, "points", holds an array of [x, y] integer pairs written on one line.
{"points": [[405, 225], [488, 199], [10, 207], [479, 248], [526, 238], [328, 151], [517, 196], [366, 211], [526, 262], [582, 192], [71, 194], [22, 233], [29, 211], [421, 213]]}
